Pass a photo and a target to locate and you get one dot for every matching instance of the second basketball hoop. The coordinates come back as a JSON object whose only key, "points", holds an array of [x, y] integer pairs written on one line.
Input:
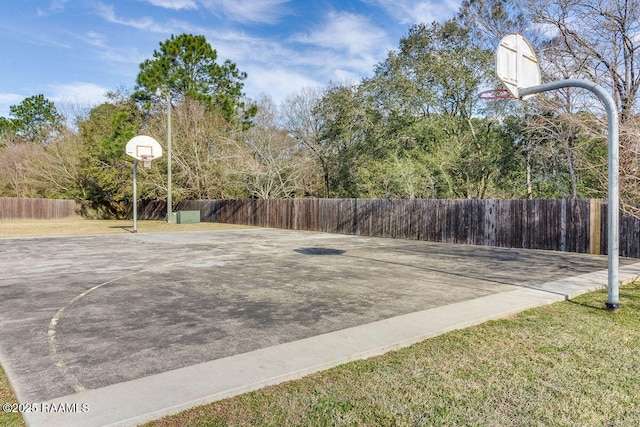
{"points": [[144, 148]]}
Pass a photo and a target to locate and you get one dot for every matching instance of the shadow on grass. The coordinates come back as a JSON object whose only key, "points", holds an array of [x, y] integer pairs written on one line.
{"points": [[629, 297], [592, 305], [123, 227]]}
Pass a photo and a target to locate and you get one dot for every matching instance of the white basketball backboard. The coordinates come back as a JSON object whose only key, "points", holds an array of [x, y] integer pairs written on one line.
{"points": [[143, 147], [516, 64]]}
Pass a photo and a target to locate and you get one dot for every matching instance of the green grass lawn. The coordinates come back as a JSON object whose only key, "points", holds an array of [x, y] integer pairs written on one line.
{"points": [[570, 363], [9, 419]]}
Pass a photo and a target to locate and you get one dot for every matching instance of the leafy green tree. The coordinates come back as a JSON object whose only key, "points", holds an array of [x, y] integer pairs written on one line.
{"points": [[399, 175], [490, 20], [425, 130], [346, 123], [436, 70], [35, 120], [5, 125], [6, 131], [105, 169], [186, 66]]}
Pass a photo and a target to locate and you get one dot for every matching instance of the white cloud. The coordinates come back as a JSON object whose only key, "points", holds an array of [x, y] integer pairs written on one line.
{"points": [[343, 47], [264, 11], [412, 12], [108, 13], [95, 39], [56, 6], [110, 54], [358, 47], [241, 47], [35, 36], [8, 99], [283, 68], [310, 59], [174, 4], [82, 93], [345, 31], [172, 26], [68, 97], [243, 11], [75, 100], [277, 82]]}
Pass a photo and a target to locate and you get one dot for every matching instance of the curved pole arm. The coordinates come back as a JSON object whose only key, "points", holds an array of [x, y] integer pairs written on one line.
{"points": [[613, 208]]}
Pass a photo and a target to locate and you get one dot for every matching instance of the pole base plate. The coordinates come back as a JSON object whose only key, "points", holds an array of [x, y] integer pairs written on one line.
{"points": [[613, 306]]}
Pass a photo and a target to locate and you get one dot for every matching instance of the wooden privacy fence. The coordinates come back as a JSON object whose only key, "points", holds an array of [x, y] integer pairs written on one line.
{"points": [[27, 208], [563, 225]]}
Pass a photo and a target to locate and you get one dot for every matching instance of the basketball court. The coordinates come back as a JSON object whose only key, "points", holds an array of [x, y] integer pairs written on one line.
{"points": [[102, 314], [122, 329]]}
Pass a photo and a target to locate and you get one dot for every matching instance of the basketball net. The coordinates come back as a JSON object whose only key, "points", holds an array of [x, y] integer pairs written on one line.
{"points": [[146, 161]]}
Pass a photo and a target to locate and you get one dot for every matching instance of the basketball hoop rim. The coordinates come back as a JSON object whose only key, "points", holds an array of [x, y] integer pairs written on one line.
{"points": [[146, 160], [493, 94]]}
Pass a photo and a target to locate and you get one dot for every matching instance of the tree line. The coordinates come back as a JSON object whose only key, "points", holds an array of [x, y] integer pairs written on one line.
{"points": [[414, 129]]}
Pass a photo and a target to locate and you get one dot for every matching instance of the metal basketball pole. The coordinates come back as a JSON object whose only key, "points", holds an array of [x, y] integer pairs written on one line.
{"points": [[613, 208], [169, 201], [135, 196]]}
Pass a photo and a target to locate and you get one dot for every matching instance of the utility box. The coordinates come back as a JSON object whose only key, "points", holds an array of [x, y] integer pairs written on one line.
{"points": [[187, 217]]}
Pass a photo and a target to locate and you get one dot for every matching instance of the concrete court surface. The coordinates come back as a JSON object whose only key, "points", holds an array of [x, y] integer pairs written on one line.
{"points": [[88, 319]]}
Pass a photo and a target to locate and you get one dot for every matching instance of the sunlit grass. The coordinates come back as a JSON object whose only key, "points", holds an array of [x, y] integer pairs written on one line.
{"points": [[80, 226], [8, 419]]}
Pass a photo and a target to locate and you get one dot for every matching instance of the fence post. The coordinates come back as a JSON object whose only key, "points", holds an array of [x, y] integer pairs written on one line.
{"points": [[563, 225], [594, 226]]}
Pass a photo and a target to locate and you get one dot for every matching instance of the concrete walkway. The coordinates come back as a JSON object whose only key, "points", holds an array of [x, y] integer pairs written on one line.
{"points": [[119, 330]]}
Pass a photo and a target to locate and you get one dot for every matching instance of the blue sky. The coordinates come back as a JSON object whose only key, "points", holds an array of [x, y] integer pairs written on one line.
{"points": [[73, 51]]}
